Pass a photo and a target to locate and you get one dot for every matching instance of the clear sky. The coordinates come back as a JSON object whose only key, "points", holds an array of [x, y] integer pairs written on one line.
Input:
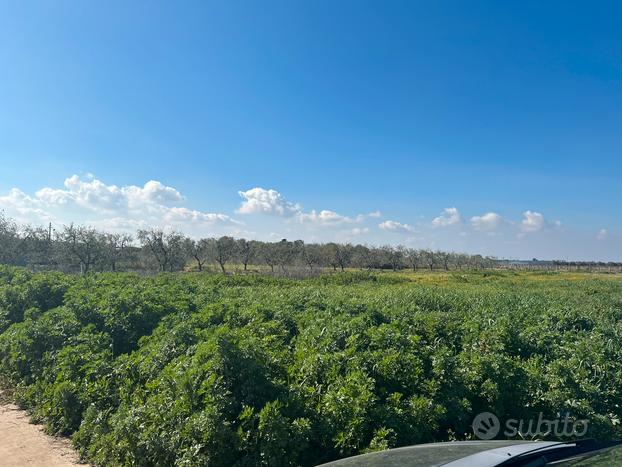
{"points": [[492, 127]]}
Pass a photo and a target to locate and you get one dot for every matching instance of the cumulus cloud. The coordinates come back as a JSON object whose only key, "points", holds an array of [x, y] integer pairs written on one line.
{"points": [[95, 195], [357, 231], [262, 201], [449, 216], [532, 221], [88, 200], [487, 222], [535, 221], [396, 227], [185, 215], [271, 202], [326, 217], [109, 207], [22, 207]]}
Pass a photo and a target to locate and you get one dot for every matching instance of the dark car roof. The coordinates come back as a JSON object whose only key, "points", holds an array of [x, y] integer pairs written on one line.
{"points": [[437, 454]]}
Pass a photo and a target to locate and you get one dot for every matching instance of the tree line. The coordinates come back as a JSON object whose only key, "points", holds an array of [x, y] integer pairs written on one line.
{"points": [[76, 248]]}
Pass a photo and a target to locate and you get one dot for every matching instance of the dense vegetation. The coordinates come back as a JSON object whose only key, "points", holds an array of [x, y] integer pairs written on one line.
{"points": [[200, 369]]}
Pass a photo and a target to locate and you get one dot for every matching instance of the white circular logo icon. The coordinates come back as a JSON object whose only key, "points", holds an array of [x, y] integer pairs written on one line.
{"points": [[486, 425]]}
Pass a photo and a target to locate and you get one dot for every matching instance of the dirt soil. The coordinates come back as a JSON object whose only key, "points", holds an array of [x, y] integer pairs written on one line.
{"points": [[24, 444]]}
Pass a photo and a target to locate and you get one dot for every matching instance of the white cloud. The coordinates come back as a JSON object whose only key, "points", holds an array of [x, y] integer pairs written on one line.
{"points": [[326, 217], [90, 201], [602, 234], [260, 200], [110, 207], [486, 222], [153, 192], [532, 221], [118, 224], [96, 195], [449, 216], [184, 215], [22, 207], [397, 227], [271, 202]]}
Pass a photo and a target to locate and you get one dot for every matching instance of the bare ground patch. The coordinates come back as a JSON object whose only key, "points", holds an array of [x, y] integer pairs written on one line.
{"points": [[25, 444]]}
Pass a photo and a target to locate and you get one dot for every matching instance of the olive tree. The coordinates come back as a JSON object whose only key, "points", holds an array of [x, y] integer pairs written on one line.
{"points": [[222, 250], [82, 245], [39, 247], [246, 251], [429, 258], [311, 255], [269, 254], [169, 250], [285, 252], [413, 257], [393, 256], [9, 241], [199, 250], [115, 248]]}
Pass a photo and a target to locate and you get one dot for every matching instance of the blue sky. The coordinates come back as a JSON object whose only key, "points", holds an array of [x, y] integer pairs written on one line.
{"points": [[352, 107]]}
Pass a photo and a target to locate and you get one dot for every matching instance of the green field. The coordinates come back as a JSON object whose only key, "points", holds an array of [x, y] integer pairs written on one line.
{"points": [[206, 369]]}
